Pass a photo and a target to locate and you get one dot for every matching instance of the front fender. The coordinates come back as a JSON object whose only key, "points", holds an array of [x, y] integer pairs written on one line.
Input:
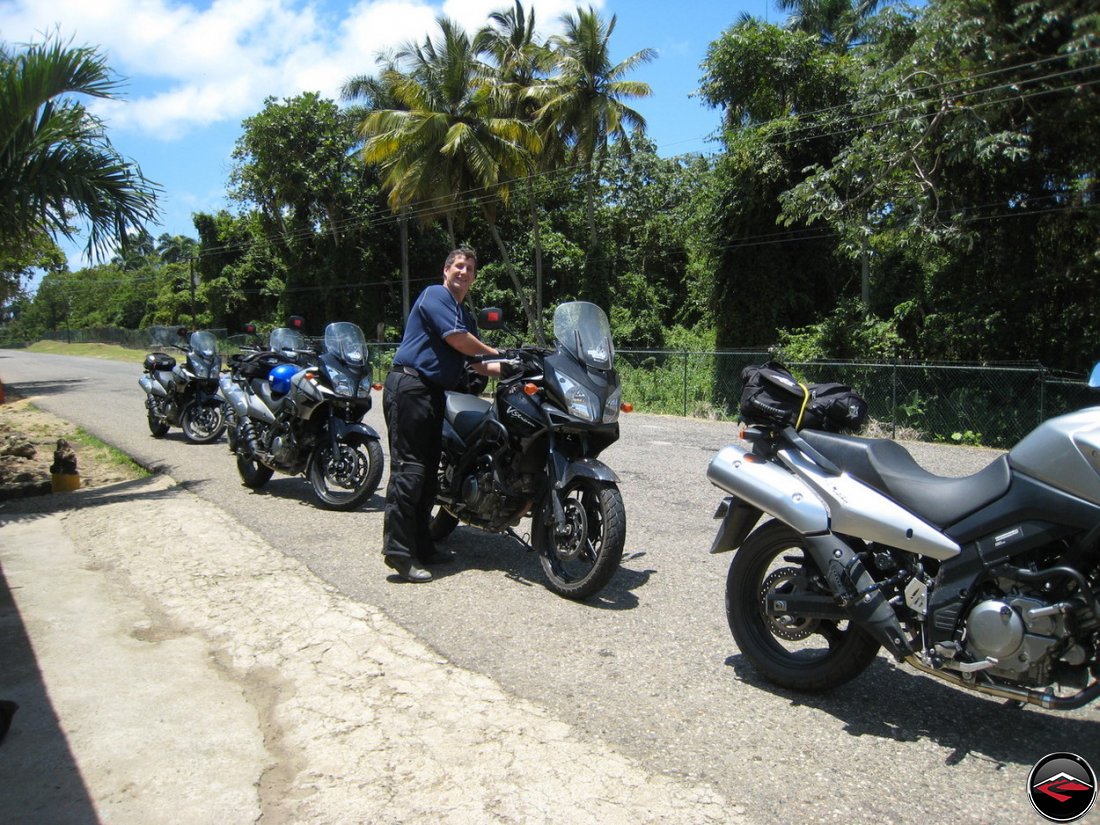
{"points": [[588, 468], [353, 433]]}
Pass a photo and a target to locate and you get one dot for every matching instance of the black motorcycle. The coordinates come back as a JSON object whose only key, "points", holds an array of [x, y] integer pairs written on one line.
{"points": [[302, 414], [533, 450], [185, 395]]}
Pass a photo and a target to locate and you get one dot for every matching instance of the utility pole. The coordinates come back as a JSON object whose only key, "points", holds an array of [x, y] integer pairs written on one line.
{"points": [[191, 262]]}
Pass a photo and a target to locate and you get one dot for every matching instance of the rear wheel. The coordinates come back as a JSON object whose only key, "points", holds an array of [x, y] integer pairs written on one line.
{"points": [[253, 474], [346, 479], [792, 651], [202, 423], [581, 556]]}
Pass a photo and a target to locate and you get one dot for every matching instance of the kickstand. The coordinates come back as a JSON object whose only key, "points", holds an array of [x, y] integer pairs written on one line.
{"points": [[526, 545]]}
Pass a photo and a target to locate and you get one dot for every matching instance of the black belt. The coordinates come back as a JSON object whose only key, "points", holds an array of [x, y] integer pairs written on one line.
{"points": [[402, 369]]}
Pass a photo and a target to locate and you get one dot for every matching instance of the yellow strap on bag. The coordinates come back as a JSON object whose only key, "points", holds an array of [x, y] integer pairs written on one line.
{"points": [[802, 409]]}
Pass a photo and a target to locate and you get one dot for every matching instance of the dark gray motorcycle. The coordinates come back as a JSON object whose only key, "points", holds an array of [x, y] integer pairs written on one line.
{"points": [[300, 412]]}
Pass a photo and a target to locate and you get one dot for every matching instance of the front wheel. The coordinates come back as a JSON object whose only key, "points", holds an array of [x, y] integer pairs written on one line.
{"points": [[794, 652], [346, 479], [443, 523], [580, 557], [202, 423]]}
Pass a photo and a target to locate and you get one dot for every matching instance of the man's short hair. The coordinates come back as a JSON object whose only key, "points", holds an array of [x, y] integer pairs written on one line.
{"points": [[463, 252]]}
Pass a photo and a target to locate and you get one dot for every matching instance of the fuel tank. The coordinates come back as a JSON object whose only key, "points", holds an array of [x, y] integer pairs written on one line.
{"points": [[1063, 452]]}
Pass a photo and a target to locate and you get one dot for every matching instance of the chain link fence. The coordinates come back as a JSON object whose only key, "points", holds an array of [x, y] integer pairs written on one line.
{"points": [[994, 406]]}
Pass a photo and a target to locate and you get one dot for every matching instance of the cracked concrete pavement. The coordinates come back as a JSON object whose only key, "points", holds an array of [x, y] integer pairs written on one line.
{"points": [[170, 666]]}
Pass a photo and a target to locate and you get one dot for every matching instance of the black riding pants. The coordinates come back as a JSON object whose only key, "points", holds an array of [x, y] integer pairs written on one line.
{"points": [[414, 418]]}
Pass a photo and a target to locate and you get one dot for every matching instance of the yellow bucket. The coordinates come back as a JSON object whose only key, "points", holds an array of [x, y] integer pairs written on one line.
{"points": [[64, 482]]}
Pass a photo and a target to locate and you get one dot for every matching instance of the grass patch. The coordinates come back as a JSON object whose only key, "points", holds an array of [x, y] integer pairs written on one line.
{"points": [[109, 352], [105, 454]]}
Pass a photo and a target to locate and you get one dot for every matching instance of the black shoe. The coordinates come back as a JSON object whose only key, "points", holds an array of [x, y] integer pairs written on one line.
{"points": [[436, 556], [408, 569]]}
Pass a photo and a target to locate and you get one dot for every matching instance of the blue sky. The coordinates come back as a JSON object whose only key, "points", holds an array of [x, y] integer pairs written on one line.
{"points": [[195, 69]]}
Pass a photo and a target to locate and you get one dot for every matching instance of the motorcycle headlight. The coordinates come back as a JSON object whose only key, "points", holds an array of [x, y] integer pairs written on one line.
{"points": [[611, 408], [342, 383], [365, 385], [579, 401]]}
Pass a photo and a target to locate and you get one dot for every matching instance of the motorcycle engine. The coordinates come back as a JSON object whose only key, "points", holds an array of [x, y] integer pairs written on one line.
{"points": [[281, 444], [1024, 635], [477, 488]]}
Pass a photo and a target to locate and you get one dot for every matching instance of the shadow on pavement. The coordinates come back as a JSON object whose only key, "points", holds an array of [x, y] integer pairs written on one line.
{"points": [[901, 705], [41, 780], [475, 549]]}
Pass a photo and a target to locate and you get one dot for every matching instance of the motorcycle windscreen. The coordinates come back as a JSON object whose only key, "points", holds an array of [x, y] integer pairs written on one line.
{"points": [[204, 343], [347, 342], [283, 339], [583, 331]]}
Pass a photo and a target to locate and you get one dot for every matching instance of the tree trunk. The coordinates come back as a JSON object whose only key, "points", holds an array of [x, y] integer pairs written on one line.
{"points": [[531, 323], [540, 337], [403, 223]]}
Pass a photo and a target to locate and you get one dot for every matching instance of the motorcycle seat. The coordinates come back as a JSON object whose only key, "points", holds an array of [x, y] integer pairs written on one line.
{"points": [[889, 468], [466, 411]]}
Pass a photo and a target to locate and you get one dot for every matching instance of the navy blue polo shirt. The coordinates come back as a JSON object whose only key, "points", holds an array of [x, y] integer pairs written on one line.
{"points": [[435, 315]]}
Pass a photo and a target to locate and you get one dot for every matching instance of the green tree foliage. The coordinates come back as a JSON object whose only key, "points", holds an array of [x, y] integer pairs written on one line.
{"points": [[768, 81], [310, 232], [584, 110], [57, 164], [970, 174]]}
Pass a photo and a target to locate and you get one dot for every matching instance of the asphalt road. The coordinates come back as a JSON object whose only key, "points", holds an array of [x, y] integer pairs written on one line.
{"points": [[649, 667]]}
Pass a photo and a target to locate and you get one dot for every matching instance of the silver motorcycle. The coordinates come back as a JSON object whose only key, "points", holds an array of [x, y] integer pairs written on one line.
{"points": [[185, 395], [989, 581]]}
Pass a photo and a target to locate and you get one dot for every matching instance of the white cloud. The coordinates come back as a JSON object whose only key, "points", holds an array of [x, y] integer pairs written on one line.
{"points": [[190, 64]]}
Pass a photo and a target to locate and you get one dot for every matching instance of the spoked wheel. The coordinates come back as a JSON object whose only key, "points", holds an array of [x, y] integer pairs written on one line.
{"points": [[443, 523], [346, 479], [580, 557], [157, 427], [794, 652], [202, 423], [254, 475]]}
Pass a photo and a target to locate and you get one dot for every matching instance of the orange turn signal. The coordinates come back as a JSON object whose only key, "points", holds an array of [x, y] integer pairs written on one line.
{"points": [[530, 389], [376, 386], [627, 408]]}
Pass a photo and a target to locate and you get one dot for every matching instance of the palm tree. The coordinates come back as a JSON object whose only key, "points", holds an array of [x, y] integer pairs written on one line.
{"points": [[56, 162], [838, 23], [517, 74], [584, 103], [445, 142], [175, 249], [367, 93]]}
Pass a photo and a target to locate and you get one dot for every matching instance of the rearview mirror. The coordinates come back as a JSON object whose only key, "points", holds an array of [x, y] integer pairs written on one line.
{"points": [[491, 318]]}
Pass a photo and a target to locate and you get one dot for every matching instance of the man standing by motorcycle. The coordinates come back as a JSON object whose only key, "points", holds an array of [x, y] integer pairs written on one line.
{"points": [[439, 336]]}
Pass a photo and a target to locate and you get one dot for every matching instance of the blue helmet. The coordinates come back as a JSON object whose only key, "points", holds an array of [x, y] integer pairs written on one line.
{"points": [[279, 378]]}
